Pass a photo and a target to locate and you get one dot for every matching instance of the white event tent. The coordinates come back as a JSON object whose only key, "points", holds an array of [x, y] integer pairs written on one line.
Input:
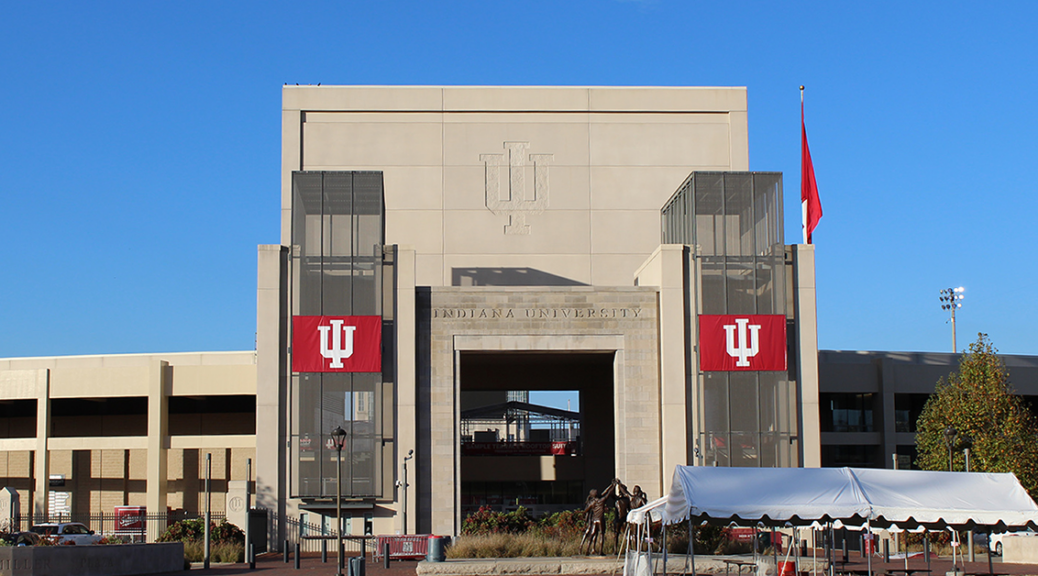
{"points": [[852, 496], [866, 497]]}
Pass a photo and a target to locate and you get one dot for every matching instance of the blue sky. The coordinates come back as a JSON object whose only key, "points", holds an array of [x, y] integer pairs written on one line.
{"points": [[139, 146]]}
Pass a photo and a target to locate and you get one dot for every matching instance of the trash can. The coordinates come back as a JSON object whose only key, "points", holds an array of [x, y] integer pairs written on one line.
{"points": [[355, 566], [437, 549], [787, 569]]}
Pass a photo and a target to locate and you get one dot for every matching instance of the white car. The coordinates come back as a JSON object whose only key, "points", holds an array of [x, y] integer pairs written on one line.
{"points": [[995, 542], [67, 533]]}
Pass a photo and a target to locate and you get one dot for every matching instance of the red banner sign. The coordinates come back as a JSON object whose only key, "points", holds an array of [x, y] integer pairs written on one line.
{"points": [[336, 343], [731, 342], [518, 448]]}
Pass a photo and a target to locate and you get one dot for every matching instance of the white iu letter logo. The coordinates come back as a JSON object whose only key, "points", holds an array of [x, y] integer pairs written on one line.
{"points": [[512, 199], [742, 352], [337, 349]]}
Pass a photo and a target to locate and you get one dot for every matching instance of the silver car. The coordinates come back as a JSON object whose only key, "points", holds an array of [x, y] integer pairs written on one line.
{"points": [[67, 533]]}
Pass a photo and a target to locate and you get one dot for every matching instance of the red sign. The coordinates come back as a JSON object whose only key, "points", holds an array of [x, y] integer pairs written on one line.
{"points": [[336, 343], [742, 342], [518, 448], [130, 518]]}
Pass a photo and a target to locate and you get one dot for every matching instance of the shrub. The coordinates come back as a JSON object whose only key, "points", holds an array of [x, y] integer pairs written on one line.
{"points": [[502, 545], [194, 551], [487, 521], [226, 541], [194, 529]]}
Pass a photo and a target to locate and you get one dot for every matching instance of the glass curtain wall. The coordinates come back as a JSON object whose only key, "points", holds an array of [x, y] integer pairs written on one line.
{"points": [[336, 270], [733, 221]]}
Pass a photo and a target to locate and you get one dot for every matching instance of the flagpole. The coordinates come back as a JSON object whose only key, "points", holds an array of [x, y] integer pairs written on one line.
{"points": [[810, 205], [803, 205]]}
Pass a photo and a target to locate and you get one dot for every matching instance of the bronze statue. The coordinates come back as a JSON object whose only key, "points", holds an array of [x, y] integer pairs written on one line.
{"points": [[623, 506], [594, 512], [638, 498], [629, 501]]}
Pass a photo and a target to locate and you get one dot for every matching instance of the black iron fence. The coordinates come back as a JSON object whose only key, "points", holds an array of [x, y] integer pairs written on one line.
{"points": [[313, 537], [130, 527]]}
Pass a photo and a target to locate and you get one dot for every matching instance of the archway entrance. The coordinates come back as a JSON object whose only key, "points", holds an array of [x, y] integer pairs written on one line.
{"points": [[522, 444]]}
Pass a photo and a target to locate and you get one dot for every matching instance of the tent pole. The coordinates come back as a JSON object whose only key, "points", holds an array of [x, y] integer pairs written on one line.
{"points": [[990, 570], [868, 544], [796, 557], [648, 542], [832, 549], [753, 543], [774, 549], [926, 547], [663, 544], [814, 550], [692, 545]]}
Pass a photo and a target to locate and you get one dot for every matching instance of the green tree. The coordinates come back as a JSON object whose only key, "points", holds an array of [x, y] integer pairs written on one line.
{"points": [[979, 403]]}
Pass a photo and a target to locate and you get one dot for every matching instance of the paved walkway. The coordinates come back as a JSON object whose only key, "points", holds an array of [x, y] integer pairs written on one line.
{"points": [[311, 565]]}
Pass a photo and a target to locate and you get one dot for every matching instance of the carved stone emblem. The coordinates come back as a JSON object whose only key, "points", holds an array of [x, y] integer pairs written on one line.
{"points": [[511, 197]]}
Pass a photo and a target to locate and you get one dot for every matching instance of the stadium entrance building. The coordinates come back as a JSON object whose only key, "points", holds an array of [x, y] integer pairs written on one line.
{"points": [[447, 255], [448, 251]]}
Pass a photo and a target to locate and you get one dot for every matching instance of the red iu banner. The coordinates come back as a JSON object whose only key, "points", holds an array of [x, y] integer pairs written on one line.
{"points": [[336, 343], [742, 342]]}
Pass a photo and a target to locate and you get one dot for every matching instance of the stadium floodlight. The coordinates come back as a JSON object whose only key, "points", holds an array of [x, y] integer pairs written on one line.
{"points": [[951, 299]]}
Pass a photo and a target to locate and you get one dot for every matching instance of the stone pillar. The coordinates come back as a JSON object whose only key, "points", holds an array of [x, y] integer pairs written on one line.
{"points": [[235, 502], [41, 464], [272, 318], [807, 345], [667, 269], [158, 443], [406, 409], [10, 510]]}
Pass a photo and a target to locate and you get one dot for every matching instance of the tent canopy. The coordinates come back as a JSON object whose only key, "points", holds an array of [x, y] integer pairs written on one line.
{"points": [[855, 496]]}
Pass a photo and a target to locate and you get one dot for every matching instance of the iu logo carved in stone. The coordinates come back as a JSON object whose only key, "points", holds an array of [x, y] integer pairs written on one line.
{"points": [[516, 201], [742, 342], [336, 343]]}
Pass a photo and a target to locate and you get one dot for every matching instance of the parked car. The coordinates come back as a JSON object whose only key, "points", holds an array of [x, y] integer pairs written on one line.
{"points": [[21, 539], [995, 542], [67, 533]]}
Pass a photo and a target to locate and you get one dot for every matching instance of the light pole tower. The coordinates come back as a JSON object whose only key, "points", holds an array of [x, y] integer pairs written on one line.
{"points": [[950, 298]]}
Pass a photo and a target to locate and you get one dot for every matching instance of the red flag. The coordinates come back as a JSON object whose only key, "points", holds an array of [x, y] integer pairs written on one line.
{"points": [[809, 202]]}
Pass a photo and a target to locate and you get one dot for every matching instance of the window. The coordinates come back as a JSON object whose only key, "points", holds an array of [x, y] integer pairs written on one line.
{"points": [[847, 412]]}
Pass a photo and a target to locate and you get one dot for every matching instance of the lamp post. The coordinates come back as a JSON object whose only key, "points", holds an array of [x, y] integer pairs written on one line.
{"points": [[950, 298], [403, 487], [949, 438], [339, 439], [967, 443]]}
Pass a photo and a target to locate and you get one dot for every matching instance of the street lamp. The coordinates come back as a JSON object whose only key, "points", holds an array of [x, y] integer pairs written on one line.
{"points": [[967, 443], [339, 439], [949, 438], [402, 484], [950, 298]]}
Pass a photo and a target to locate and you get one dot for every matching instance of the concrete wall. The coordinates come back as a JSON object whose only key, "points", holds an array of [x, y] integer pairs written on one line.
{"points": [[1020, 549], [114, 560], [607, 160]]}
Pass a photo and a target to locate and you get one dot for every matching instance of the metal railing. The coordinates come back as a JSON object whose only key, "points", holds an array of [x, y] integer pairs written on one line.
{"points": [[132, 528], [313, 537]]}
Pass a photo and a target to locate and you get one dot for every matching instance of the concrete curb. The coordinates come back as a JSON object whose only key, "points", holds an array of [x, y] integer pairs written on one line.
{"points": [[676, 564]]}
